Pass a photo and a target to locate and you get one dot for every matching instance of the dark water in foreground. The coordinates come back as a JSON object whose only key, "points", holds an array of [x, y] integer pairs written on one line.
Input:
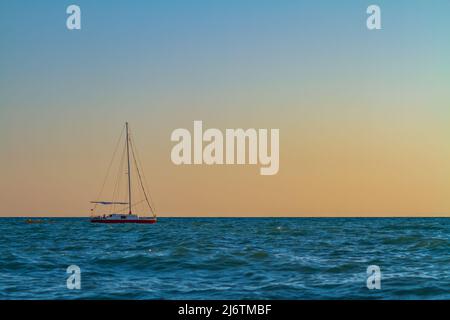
{"points": [[211, 258]]}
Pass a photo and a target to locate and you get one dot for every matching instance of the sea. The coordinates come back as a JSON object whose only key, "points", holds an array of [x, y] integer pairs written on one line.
{"points": [[226, 258]]}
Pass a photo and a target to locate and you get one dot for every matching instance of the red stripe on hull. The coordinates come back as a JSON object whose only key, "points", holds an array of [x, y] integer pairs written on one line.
{"points": [[123, 221]]}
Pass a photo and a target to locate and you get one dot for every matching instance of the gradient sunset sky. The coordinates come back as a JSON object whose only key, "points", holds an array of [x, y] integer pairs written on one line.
{"points": [[364, 116]]}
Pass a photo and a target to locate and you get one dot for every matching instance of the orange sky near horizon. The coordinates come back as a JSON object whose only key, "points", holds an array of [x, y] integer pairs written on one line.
{"points": [[363, 116]]}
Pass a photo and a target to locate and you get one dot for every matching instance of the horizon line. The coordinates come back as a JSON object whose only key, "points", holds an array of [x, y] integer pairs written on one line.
{"points": [[258, 216]]}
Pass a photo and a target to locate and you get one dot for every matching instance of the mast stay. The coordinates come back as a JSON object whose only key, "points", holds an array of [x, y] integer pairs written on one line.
{"points": [[140, 179]]}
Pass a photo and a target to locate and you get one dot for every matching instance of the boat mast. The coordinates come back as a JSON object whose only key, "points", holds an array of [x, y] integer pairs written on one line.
{"points": [[129, 171]]}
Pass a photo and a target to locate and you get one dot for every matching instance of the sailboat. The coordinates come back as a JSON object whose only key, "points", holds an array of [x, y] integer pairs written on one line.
{"points": [[122, 211]]}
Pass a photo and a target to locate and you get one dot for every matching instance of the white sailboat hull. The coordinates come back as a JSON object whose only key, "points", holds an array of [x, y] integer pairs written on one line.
{"points": [[117, 218]]}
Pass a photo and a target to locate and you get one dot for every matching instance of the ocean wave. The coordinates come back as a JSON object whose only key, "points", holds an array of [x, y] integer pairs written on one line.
{"points": [[226, 259]]}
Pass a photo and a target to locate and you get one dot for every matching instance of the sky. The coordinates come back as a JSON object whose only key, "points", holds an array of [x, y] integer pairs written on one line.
{"points": [[363, 115]]}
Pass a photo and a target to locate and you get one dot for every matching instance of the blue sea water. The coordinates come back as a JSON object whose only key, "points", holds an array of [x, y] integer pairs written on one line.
{"points": [[226, 258]]}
